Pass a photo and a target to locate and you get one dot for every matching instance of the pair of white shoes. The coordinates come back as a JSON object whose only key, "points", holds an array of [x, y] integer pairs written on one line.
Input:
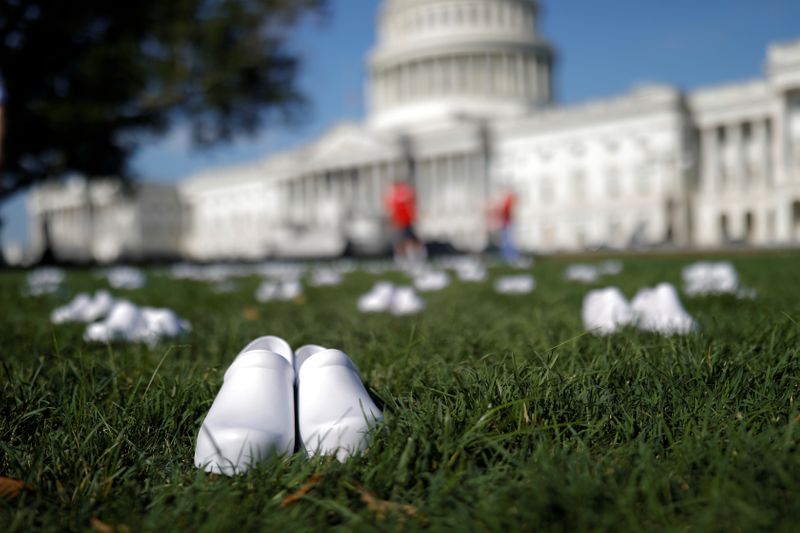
{"points": [[271, 394], [516, 284], [658, 309], [129, 322], [84, 308], [431, 280], [384, 296], [279, 290]]}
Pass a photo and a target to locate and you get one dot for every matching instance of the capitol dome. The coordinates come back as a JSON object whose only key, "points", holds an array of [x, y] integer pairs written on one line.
{"points": [[452, 59]]}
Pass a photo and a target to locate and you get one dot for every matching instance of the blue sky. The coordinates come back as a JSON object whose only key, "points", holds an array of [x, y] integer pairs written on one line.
{"points": [[602, 48]]}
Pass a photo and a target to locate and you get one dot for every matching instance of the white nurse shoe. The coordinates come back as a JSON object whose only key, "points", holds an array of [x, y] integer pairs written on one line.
{"points": [[334, 410], [253, 414]]}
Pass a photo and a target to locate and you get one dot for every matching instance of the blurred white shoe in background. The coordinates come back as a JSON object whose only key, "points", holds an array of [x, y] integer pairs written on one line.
{"points": [[378, 299], [659, 310], [405, 301], [605, 311]]}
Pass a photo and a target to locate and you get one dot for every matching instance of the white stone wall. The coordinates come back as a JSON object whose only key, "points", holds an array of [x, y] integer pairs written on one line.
{"points": [[604, 183], [228, 219]]}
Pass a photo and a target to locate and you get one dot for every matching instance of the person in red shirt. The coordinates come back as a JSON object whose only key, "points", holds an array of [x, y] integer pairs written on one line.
{"points": [[505, 218], [401, 205]]}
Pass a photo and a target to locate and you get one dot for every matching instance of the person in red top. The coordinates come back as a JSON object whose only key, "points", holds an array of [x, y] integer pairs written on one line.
{"points": [[505, 219], [401, 205]]}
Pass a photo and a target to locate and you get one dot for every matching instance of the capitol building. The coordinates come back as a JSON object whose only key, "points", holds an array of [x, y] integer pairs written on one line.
{"points": [[460, 102]]}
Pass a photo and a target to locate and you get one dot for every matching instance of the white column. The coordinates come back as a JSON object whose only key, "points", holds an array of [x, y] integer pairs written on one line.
{"points": [[519, 91], [533, 75], [733, 156], [376, 193], [362, 184], [779, 150], [451, 182], [544, 80], [428, 76], [710, 170], [758, 154], [403, 73]]}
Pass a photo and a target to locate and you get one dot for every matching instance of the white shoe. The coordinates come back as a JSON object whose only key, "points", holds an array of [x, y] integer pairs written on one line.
{"points": [[473, 272], [406, 302], [517, 284], [84, 308], [431, 280], [325, 277], [659, 309], [125, 322], [163, 322], [253, 414], [378, 299], [73, 311], [334, 410], [131, 323], [710, 278], [605, 311], [581, 273], [100, 306], [279, 290]]}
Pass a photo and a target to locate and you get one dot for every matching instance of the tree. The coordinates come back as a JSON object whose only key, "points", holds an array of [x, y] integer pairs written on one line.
{"points": [[88, 80]]}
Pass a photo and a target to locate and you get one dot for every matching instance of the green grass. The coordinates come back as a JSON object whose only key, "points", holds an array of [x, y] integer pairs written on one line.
{"points": [[500, 412]]}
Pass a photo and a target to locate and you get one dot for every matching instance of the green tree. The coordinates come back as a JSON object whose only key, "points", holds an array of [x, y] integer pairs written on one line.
{"points": [[88, 80]]}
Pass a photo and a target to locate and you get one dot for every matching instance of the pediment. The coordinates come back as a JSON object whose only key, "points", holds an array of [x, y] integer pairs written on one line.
{"points": [[346, 144]]}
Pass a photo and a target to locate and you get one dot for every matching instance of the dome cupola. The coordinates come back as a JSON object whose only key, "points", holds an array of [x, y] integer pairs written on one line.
{"points": [[444, 59]]}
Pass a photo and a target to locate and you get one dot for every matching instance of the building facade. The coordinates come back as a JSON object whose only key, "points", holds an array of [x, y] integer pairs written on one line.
{"points": [[460, 101], [106, 221]]}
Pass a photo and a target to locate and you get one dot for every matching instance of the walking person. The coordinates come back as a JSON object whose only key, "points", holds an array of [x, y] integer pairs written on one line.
{"points": [[505, 222], [401, 205]]}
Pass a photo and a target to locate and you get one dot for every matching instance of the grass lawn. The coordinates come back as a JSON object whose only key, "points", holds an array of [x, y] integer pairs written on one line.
{"points": [[500, 413]]}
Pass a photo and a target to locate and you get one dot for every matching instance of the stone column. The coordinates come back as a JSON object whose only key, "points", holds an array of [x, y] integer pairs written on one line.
{"points": [[733, 156], [757, 154], [545, 94], [317, 191], [533, 74], [451, 188], [376, 194], [710, 171], [519, 90], [779, 144]]}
